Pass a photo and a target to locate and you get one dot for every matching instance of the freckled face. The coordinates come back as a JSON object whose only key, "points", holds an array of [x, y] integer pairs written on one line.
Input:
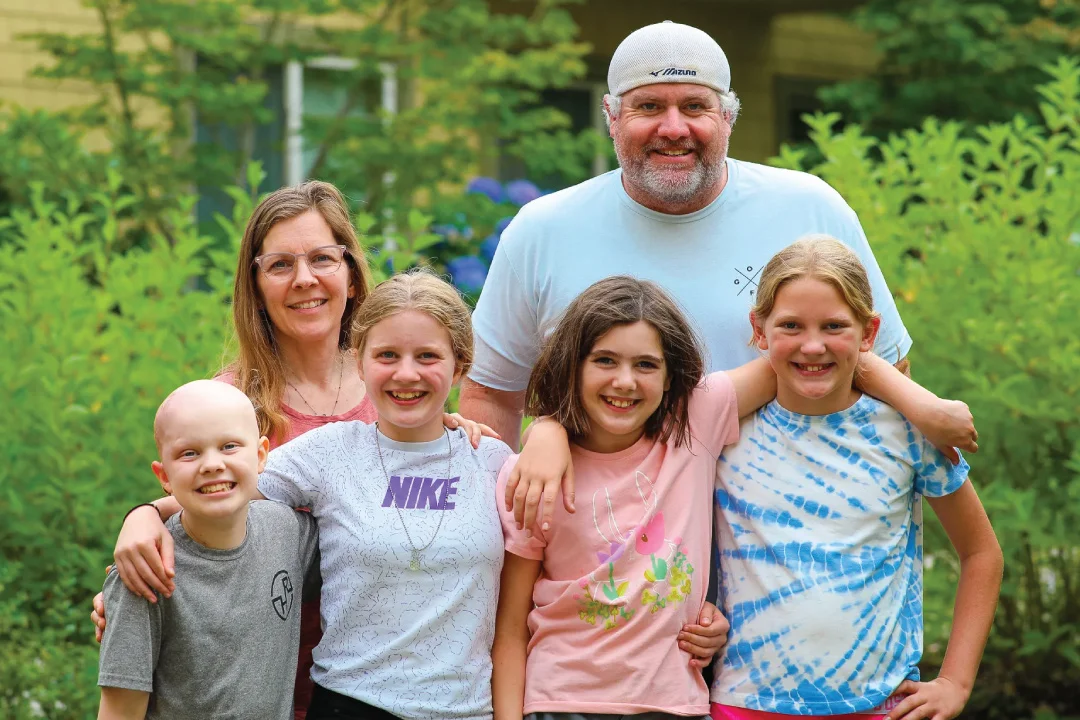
{"points": [[814, 341], [623, 380], [671, 140]]}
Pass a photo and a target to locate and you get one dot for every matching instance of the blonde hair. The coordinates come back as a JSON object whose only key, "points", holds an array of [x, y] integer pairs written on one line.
{"points": [[258, 369], [419, 289], [823, 258]]}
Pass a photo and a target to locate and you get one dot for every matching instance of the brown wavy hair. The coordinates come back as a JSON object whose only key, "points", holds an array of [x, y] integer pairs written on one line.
{"points": [[258, 369], [555, 383]]}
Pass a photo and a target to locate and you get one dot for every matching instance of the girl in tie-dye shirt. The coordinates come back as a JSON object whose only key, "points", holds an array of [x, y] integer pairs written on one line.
{"points": [[819, 522]]}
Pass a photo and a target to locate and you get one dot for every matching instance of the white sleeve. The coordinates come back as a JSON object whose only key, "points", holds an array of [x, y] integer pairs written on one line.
{"points": [[292, 474], [507, 337], [893, 341]]}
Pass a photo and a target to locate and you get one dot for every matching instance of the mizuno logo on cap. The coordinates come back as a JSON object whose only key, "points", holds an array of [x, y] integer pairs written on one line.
{"points": [[674, 71]]}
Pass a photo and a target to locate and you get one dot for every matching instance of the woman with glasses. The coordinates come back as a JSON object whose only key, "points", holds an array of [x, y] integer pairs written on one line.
{"points": [[300, 279]]}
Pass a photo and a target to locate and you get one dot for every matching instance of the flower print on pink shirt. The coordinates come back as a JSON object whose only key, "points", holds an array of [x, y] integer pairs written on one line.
{"points": [[638, 569]]}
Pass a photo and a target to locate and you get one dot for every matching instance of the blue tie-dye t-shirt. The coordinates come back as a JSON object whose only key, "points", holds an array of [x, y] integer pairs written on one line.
{"points": [[819, 521]]}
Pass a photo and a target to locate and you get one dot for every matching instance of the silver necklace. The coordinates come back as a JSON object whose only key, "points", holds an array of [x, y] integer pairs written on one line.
{"points": [[414, 559], [340, 375]]}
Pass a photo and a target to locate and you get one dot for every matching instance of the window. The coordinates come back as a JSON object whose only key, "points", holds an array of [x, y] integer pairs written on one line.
{"points": [[297, 90], [795, 97]]}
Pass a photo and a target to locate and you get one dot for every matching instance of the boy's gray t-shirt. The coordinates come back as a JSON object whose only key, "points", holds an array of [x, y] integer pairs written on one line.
{"points": [[225, 644]]}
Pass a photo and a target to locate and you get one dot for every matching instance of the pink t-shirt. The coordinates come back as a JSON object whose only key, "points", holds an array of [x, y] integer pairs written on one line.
{"points": [[623, 574]]}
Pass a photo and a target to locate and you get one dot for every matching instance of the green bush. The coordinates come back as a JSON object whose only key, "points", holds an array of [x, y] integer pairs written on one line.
{"points": [[979, 238], [92, 342]]}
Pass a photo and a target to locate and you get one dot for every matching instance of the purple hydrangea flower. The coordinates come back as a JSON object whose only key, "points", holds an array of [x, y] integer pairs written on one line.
{"points": [[521, 192], [487, 248], [502, 225], [487, 186], [468, 273]]}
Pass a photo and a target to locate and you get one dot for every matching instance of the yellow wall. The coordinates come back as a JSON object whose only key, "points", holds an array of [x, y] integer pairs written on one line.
{"points": [[18, 57]]}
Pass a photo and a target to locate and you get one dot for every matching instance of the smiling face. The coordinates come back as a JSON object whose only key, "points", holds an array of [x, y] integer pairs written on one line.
{"points": [[211, 452], [304, 307], [407, 362], [623, 380], [671, 140], [814, 339]]}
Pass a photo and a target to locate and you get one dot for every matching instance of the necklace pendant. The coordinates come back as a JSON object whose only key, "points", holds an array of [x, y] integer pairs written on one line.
{"points": [[414, 562]]}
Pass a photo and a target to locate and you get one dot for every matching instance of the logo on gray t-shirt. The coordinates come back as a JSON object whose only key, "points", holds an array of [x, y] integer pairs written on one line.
{"points": [[281, 594]]}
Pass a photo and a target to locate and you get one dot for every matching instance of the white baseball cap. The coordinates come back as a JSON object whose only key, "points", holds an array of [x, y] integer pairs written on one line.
{"points": [[668, 52]]}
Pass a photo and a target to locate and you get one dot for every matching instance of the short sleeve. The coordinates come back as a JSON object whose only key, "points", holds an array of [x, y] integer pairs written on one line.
{"points": [[515, 541], [893, 341], [935, 475], [714, 412], [505, 325], [493, 454], [132, 639], [292, 475]]}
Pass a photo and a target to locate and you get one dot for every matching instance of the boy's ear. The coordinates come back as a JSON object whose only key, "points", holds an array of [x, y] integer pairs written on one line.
{"points": [[870, 332], [760, 340], [263, 450], [162, 476]]}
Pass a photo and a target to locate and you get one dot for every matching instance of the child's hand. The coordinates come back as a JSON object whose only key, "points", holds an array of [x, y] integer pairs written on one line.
{"points": [[948, 425], [98, 616], [706, 638], [939, 699], [144, 555], [543, 467], [473, 429]]}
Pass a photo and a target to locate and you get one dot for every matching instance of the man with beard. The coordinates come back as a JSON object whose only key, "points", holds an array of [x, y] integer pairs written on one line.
{"points": [[678, 212]]}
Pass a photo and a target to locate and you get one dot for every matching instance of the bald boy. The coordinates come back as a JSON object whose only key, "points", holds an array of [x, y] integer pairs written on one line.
{"points": [[224, 643]]}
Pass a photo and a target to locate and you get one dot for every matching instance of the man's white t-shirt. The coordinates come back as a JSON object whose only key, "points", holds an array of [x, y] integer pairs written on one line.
{"points": [[709, 260], [416, 643]]}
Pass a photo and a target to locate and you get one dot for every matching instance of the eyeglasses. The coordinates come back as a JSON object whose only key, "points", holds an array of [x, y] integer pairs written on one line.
{"points": [[321, 261]]}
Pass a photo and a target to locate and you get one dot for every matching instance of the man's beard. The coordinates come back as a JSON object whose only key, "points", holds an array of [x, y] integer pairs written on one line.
{"points": [[674, 185]]}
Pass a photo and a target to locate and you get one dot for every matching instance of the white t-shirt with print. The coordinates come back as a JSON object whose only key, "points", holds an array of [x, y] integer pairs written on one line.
{"points": [[819, 524], [416, 643]]}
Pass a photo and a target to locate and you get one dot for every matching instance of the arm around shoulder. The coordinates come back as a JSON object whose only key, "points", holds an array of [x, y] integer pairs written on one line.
{"points": [[946, 423]]}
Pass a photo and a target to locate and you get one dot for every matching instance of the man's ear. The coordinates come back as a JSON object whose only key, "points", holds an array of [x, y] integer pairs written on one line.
{"points": [[870, 332], [162, 476], [760, 340], [611, 118], [263, 450]]}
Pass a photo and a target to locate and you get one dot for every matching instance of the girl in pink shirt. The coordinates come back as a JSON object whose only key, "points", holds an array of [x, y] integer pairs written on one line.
{"points": [[592, 605]]}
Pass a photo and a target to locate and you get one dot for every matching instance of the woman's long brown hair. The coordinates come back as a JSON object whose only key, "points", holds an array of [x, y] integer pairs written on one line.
{"points": [[258, 369]]}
